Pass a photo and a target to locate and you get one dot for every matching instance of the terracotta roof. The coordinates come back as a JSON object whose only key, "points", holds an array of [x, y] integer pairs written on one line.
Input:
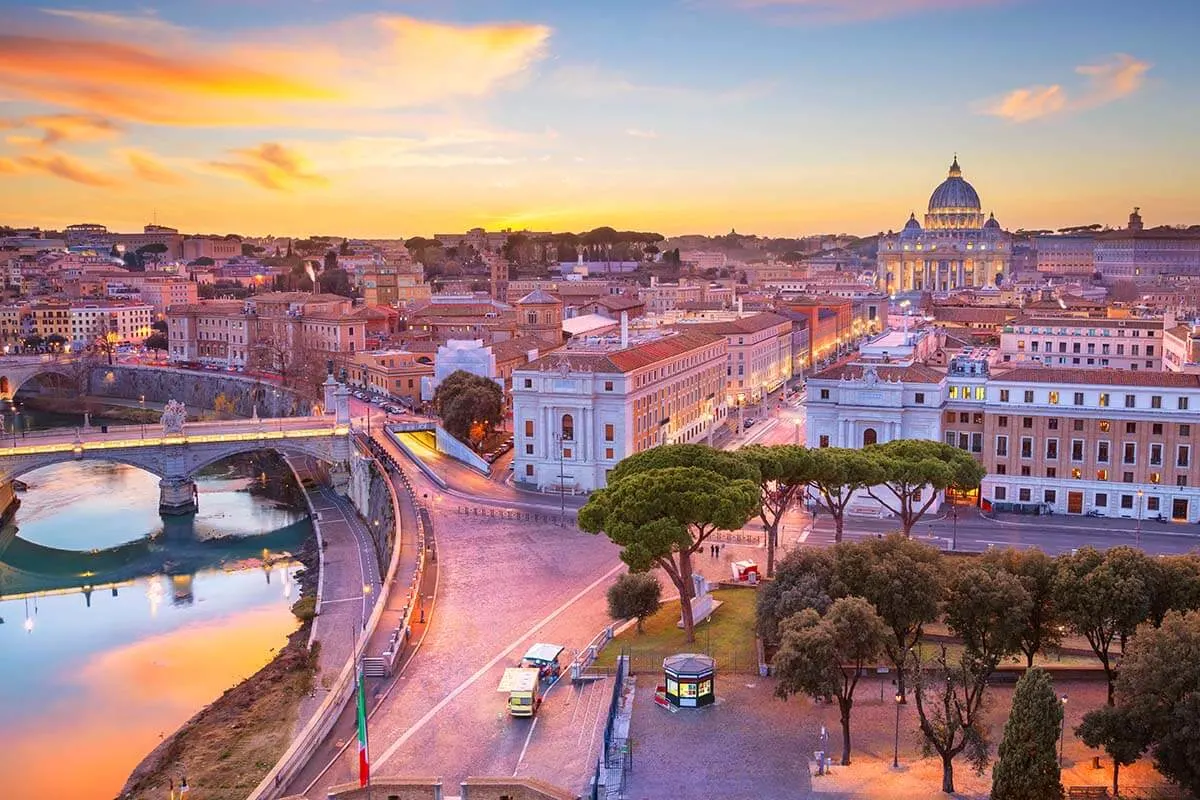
{"points": [[456, 310], [519, 347], [538, 297], [1101, 377], [993, 314], [751, 324], [1091, 322], [628, 360], [912, 373], [619, 302]]}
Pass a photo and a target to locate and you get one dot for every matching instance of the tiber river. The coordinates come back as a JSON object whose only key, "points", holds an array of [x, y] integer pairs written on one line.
{"points": [[90, 682]]}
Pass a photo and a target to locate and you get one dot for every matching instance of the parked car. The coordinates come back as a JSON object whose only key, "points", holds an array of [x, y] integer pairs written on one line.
{"points": [[748, 423]]}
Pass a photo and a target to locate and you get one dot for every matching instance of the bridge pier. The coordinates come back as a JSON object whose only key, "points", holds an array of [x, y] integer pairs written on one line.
{"points": [[177, 496]]}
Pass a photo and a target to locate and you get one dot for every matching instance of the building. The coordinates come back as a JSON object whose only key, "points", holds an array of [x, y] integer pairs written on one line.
{"points": [[1132, 344], [1137, 253], [760, 355], [1066, 254], [540, 314], [660, 298], [217, 248], [955, 248], [580, 410], [1181, 348], [397, 373], [216, 333], [115, 322]]}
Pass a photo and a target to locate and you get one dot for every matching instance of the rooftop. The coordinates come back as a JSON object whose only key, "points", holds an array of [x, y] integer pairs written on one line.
{"points": [[1099, 377]]}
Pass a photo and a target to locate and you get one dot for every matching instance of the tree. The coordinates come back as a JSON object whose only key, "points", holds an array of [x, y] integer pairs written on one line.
{"points": [[661, 517], [55, 342], [949, 698], [905, 468], [728, 465], [202, 261], [826, 656], [634, 595], [1159, 687], [1027, 767], [837, 472], [334, 280], [1173, 583], [331, 260], [224, 406], [903, 579], [1114, 731], [159, 325], [154, 251], [1038, 574], [470, 406], [1103, 598], [156, 341], [784, 472], [804, 580]]}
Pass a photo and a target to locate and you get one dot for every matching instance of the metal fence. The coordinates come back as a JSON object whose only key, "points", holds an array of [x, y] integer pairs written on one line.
{"points": [[513, 514]]}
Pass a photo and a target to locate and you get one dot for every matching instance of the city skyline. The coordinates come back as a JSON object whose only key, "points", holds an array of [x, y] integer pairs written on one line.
{"points": [[776, 117]]}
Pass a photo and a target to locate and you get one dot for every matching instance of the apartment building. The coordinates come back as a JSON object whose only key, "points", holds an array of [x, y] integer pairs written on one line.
{"points": [[161, 293], [212, 332], [1108, 441], [119, 323], [218, 248], [1181, 348], [393, 372], [663, 297], [1066, 254], [760, 354], [1128, 344], [580, 410]]}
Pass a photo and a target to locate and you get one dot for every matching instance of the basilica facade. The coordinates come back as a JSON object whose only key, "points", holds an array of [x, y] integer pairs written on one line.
{"points": [[956, 248]]}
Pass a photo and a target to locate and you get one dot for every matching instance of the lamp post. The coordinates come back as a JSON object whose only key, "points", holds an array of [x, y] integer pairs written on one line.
{"points": [[1062, 731], [896, 743], [1138, 535], [142, 403], [954, 527], [559, 439]]}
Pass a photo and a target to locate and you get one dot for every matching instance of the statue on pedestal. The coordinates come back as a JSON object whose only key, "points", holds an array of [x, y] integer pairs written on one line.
{"points": [[173, 416]]}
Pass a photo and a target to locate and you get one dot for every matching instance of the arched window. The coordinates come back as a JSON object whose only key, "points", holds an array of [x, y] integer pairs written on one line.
{"points": [[870, 437], [568, 428]]}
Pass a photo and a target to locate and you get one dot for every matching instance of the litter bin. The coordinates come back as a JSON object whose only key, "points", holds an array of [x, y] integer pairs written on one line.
{"points": [[104, 429]]}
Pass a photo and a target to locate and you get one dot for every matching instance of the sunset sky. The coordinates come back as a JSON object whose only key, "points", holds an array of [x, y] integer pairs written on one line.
{"points": [[777, 117]]}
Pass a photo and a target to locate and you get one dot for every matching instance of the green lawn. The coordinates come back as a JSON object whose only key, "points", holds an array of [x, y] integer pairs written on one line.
{"points": [[728, 636]]}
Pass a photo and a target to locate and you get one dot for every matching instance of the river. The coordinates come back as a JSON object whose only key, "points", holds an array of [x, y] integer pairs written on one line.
{"points": [[91, 681]]}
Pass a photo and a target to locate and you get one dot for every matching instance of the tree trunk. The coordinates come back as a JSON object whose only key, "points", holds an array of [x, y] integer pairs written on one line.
{"points": [[1029, 658], [837, 527], [900, 687], [846, 705], [948, 774], [685, 597], [772, 542], [1116, 778]]}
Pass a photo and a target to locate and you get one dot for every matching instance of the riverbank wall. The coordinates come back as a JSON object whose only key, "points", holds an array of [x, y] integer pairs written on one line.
{"points": [[240, 395]]}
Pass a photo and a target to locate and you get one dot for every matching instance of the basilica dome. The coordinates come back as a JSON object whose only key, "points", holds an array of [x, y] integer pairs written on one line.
{"points": [[954, 194]]}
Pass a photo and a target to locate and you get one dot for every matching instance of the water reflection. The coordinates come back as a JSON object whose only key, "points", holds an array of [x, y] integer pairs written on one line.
{"points": [[100, 673]]}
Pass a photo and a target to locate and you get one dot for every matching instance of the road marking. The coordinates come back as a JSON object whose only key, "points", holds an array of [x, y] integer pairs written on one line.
{"points": [[528, 736], [341, 600], [807, 531], [462, 687]]}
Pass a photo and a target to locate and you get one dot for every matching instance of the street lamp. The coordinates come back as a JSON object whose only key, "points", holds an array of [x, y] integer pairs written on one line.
{"points": [[896, 743], [1062, 732], [142, 403], [559, 439], [954, 527]]}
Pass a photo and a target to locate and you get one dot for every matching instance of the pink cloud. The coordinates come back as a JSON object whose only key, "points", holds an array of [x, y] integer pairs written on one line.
{"points": [[1118, 77]]}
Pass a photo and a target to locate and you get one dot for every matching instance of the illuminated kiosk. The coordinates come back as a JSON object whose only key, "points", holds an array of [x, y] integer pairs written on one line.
{"points": [[690, 680]]}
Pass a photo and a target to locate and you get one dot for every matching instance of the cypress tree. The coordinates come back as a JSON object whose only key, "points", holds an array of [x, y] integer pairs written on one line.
{"points": [[1028, 765]]}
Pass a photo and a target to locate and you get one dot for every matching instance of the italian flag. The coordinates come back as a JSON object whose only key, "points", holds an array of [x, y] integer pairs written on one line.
{"points": [[364, 759]]}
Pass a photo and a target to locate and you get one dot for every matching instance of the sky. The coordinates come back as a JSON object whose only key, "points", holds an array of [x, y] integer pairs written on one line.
{"points": [[414, 117]]}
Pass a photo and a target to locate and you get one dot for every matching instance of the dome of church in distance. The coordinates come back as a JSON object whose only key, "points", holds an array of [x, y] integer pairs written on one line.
{"points": [[954, 193]]}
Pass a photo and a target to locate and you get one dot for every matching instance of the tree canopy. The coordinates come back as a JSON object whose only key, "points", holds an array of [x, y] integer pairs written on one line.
{"points": [[469, 405], [728, 465], [1038, 573], [1027, 766], [784, 472], [835, 474], [634, 595], [904, 468]]}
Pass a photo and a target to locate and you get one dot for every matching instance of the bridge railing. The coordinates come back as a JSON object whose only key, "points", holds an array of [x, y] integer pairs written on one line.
{"points": [[96, 433]]}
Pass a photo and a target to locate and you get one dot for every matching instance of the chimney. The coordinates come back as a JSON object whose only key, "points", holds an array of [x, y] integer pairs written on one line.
{"points": [[624, 329]]}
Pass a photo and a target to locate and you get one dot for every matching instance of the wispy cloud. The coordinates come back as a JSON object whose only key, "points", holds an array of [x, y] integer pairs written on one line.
{"points": [[639, 133], [1119, 76], [8, 167], [148, 167], [270, 165], [57, 128], [590, 80], [826, 12], [296, 75], [65, 167], [147, 23]]}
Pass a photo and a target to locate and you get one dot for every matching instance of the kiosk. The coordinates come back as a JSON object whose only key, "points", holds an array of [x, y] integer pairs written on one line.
{"points": [[689, 680]]}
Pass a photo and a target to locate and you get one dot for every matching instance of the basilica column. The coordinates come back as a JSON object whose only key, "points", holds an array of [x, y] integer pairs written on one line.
{"points": [[962, 272]]}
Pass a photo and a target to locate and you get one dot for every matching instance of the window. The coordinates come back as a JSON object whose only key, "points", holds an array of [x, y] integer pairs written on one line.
{"points": [[1052, 423], [1183, 404], [528, 449], [1077, 449], [1004, 395], [1130, 401], [1181, 480], [1026, 422], [1049, 496], [1026, 447], [608, 386], [1156, 401], [1102, 452], [1131, 427], [1156, 429], [1104, 399], [824, 394], [977, 418], [1028, 396], [1001, 469], [1000, 493], [1101, 500], [1076, 473], [1152, 504], [1127, 501], [566, 452], [1051, 472], [529, 470], [1023, 495], [1185, 430], [980, 393], [1101, 474], [1052, 449], [976, 442], [529, 427], [1053, 396], [1156, 477], [1079, 398], [1156, 455], [964, 417], [608, 432], [870, 437], [1026, 472], [568, 428], [529, 383], [1130, 454], [1183, 457], [1002, 446], [823, 441], [919, 398], [1002, 422], [1105, 426], [608, 453]]}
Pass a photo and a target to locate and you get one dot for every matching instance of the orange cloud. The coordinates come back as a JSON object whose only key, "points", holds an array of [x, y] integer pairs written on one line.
{"points": [[1120, 76], [66, 168], [149, 168], [838, 11], [310, 76], [8, 167], [271, 166], [63, 127]]}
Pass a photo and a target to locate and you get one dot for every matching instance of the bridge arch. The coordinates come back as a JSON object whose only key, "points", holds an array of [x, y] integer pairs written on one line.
{"points": [[12, 380], [285, 449], [130, 458]]}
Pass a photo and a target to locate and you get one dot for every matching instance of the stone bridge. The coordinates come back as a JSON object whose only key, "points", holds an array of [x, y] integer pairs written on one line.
{"points": [[15, 371], [176, 451]]}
